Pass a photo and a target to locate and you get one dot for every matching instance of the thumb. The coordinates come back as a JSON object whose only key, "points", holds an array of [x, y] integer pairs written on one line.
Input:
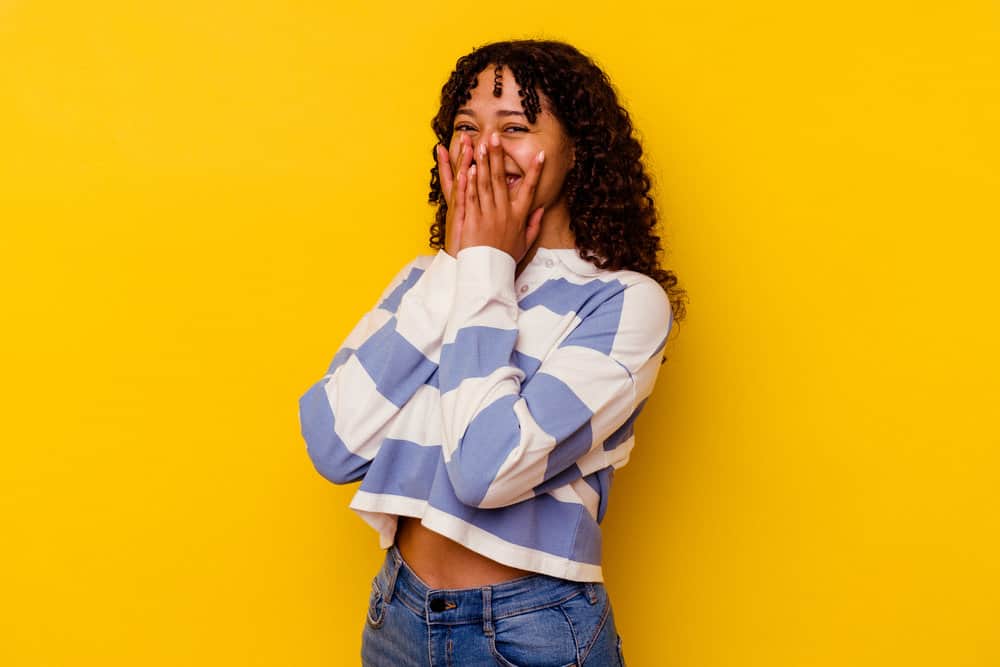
{"points": [[534, 226]]}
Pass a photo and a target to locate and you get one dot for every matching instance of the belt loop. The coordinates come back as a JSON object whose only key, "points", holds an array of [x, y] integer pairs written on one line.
{"points": [[394, 562], [487, 610], [591, 593]]}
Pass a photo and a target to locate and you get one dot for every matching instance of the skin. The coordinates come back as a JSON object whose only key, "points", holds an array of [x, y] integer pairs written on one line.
{"points": [[488, 143], [483, 210]]}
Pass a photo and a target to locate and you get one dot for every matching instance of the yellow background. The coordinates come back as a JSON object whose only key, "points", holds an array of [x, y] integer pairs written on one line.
{"points": [[198, 199]]}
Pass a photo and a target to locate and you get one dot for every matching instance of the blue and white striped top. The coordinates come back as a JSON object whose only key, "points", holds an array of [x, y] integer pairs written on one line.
{"points": [[496, 409]]}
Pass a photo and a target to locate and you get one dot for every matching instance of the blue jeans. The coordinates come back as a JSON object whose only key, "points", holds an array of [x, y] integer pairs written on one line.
{"points": [[533, 621]]}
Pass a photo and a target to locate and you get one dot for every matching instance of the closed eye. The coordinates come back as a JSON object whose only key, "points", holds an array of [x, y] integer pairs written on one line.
{"points": [[464, 126]]}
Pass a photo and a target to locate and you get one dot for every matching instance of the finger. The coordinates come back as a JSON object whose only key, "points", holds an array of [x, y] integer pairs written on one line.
{"points": [[534, 227], [461, 163], [498, 178], [462, 186], [484, 192], [472, 195], [526, 196], [467, 153], [444, 171]]}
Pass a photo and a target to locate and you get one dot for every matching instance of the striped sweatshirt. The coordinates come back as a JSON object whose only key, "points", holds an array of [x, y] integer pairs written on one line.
{"points": [[494, 408]]}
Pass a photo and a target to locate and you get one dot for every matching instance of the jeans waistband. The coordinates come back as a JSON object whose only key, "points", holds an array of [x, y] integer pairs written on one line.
{"points": [[479, 603]]}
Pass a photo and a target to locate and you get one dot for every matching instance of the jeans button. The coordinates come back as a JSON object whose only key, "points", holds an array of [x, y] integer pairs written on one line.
{"points": [[437, 604]]}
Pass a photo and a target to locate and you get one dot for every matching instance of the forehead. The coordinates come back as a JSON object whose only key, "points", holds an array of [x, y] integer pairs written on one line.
{"points": [[482, 99]]}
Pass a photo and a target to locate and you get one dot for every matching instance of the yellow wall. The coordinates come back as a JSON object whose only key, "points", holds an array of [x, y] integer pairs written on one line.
{"points": [[198, 199]]}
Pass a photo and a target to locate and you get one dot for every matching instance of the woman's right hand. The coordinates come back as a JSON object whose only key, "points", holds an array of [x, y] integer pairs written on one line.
{"points": [[454, 191]]}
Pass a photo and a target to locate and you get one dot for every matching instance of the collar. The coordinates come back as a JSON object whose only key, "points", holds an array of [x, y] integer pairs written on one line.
{"points": [[570, 257]]}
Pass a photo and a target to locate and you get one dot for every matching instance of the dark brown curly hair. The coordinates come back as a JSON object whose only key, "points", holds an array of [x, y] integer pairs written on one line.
{"points": [[612, 214]]}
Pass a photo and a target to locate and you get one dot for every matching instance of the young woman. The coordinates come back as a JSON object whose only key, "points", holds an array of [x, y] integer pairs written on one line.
{"points": [[488, 398]]}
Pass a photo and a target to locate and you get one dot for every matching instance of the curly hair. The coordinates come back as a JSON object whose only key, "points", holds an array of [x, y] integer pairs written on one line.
{"points": [[612, 215]]}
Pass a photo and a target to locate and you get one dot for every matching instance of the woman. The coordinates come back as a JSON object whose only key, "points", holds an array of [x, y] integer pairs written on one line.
{"points": [[487, 399]]}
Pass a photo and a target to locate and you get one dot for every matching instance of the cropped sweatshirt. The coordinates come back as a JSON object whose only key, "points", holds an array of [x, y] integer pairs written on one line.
{"points": [[495, 409]]}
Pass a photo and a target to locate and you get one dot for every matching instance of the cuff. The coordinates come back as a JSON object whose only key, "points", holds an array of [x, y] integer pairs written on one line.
{"points": [[484, 289]]}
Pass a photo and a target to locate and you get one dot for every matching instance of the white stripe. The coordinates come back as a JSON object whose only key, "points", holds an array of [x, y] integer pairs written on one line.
{"points": [[578, 491], [645, 319], [423, 310], [419, 420], [462, 411], [540, 331], [361, 413], [372, 322]]}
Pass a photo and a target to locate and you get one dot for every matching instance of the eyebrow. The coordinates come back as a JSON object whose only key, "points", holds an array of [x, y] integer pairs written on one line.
{"points": [[500, 112]]}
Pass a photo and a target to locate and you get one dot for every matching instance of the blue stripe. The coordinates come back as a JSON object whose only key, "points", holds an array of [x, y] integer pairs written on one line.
{"points": [[496, 431], [330, 456], [588, 540], [490, 437], [561, 296], [402, 468], [600, 327], [561, 414], [391, 302], [476, 352], [539, 523], [397, 368], [623, 432], [568, 475], [526, 363], [604, 478], [343, 354]]}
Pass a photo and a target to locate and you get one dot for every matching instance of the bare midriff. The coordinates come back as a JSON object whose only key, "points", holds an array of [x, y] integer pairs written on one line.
{"points": [[443, 563]]}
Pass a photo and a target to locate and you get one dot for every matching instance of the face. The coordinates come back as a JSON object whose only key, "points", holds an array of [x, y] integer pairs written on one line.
{"points": [[483, 114]]}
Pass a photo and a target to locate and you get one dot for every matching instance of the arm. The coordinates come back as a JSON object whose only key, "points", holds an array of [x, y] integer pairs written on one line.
{"points": [[381, 364], [502, 440]]}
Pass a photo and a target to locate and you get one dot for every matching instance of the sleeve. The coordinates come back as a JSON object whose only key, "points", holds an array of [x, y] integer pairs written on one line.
{"points": [[503, 441], [381, 364]]}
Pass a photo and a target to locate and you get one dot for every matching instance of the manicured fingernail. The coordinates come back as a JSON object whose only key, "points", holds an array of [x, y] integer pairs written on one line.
{"points": [[482, 149], [495, 139], [541, 156]]}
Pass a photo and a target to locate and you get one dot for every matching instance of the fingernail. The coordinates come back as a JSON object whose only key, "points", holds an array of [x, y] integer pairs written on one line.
{"points": [[541, 156], [495, 139]]}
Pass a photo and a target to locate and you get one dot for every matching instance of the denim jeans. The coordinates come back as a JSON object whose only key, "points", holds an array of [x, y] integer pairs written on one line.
{"points": [[533, 621]]}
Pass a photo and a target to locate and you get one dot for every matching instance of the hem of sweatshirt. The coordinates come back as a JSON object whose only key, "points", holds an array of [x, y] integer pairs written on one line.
{"points": [[373, 508]]}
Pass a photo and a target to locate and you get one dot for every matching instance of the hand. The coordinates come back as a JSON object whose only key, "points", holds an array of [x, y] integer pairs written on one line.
{"points": [[491, 217], [454, 192]]}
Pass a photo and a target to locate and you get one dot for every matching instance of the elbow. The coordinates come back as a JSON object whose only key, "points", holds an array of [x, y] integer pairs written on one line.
{"points": [[469, 486], [476, 487], [339, 471], [329, 454]]}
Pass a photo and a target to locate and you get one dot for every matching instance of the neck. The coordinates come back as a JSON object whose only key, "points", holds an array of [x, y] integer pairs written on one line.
{"points": [[555, 233]]}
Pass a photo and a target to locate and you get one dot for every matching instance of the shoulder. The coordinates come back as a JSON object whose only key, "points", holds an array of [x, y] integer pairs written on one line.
{"points": [[644, 316]]}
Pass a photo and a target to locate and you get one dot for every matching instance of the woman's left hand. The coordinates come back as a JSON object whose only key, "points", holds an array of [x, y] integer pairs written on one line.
{"points": [[491, 217]]}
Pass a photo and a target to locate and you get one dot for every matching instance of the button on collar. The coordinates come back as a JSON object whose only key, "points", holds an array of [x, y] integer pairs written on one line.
{"points": [[524, 288]]}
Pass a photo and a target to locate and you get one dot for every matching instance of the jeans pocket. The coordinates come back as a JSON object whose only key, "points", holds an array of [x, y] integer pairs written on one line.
{"points": [[539, 638], [376, 605], [587, 618]]}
